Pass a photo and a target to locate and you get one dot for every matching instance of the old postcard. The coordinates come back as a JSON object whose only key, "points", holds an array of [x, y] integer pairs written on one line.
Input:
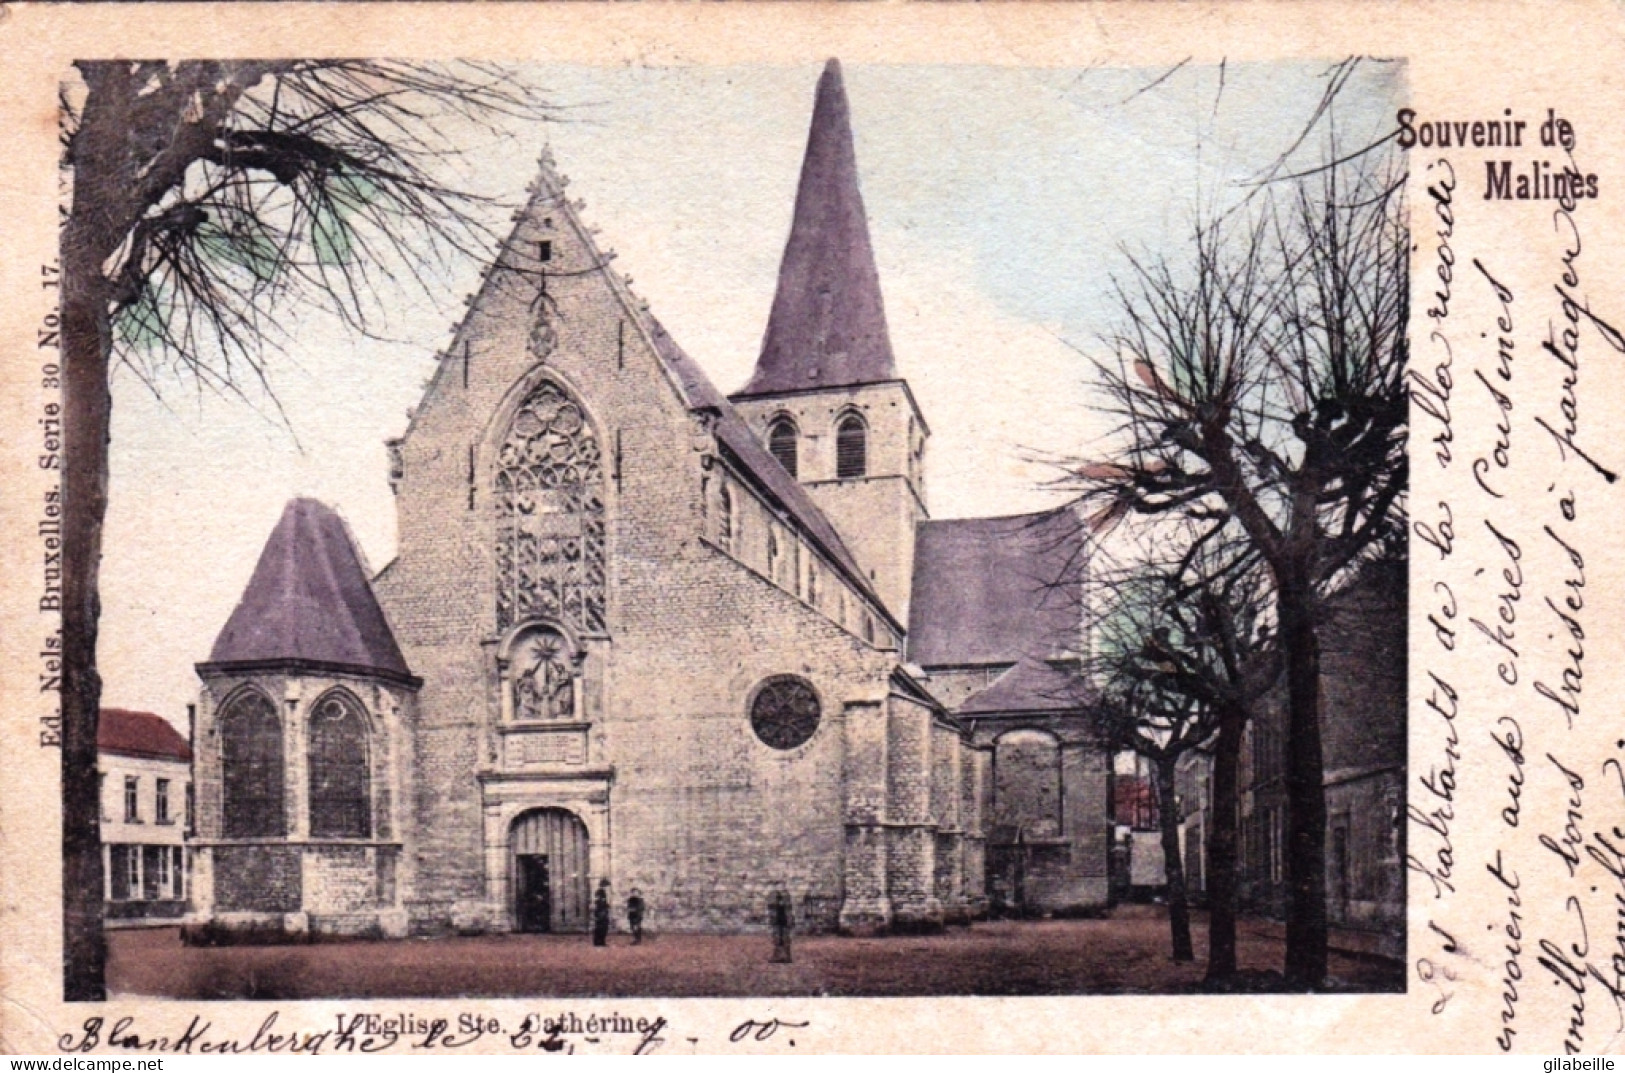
{"points": [[546, 528]]}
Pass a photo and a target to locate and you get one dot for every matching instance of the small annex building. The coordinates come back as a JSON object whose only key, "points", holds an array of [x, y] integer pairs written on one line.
{"points": [[706, 646], [144, 770]]}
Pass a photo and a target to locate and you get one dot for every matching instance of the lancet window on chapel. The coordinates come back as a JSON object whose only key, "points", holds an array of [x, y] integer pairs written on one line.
{"points": [[251, 767], [550, 515], [340, 780]]}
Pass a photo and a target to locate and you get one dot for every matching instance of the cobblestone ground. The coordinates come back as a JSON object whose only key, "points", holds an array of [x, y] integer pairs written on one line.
{"points": [[1126, 953]]}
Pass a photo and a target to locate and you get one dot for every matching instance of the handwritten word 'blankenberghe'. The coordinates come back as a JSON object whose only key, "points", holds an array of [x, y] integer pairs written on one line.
{"points": [[567, 1031]]}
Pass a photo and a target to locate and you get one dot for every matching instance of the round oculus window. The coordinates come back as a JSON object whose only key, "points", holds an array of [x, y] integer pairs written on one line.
{"points": [[785, 712]]}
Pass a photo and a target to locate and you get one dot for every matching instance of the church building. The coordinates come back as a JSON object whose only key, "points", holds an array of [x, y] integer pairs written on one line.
{"points": [[708, 647]]}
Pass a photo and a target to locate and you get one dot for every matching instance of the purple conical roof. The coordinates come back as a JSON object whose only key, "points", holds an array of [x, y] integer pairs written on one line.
{"points": [[309, 604], [828, 326]]}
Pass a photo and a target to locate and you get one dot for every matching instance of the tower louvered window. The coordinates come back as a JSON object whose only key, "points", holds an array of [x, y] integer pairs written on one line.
{"points": [[550, 515], [340, 783], [781, 442], [251, 768], [851, 447]]}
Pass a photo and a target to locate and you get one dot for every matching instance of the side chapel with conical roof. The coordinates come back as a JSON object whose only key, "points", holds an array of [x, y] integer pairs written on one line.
{"points": [[709, 647]]}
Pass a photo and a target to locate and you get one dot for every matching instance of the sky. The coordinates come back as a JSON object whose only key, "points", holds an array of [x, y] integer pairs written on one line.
{"points": [[1001, 201]]}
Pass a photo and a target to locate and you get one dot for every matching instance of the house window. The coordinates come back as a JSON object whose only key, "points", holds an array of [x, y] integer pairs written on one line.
{"points": [[119, 872], [340, 784], [781, 442], [132, 871], [132, 799], [851, 447], [773, 552], [812, 583], [191, 809], [160, 809], [251, 768]]}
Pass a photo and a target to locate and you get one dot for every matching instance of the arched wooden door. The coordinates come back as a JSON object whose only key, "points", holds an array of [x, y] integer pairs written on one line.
{"points": [[548, 866]]}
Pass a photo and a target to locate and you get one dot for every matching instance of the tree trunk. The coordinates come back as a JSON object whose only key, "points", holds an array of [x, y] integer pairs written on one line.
{"points": [[1173, 863], [86, 413], [1221, 852], [1305, 787], [94, 229]]}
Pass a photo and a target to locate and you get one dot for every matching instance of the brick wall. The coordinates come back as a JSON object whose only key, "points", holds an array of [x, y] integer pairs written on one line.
{"points": [[702, 816]]}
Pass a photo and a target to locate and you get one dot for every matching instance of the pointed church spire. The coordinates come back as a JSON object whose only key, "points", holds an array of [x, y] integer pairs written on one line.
{"points": [[827, 327]]}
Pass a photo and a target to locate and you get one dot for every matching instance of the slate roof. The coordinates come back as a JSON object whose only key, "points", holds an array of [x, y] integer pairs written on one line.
{"points": [[144, 734], [1032, 685], [984, 589], [309, 604], [748, 451], [827, 327]]}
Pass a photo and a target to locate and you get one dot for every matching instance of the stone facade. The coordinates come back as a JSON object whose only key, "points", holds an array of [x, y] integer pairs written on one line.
{"points": [[641, 651]]}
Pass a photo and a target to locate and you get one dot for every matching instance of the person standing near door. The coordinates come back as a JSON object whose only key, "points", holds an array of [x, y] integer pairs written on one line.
{"points": [[634, 916], [600, 914]]}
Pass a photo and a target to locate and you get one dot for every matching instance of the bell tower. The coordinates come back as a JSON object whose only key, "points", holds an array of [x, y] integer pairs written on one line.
{"points": [[825, 396]]}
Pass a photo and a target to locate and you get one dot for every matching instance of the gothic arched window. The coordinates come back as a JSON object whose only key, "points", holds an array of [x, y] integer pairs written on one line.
{"points": [[851, 447], [543, 681], [781, 442], [785, 712], [251, 768], [340, 779], [550, 515]]}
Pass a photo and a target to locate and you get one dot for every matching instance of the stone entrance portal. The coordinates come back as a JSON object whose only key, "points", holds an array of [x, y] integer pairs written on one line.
{"points": [[552, 882]]}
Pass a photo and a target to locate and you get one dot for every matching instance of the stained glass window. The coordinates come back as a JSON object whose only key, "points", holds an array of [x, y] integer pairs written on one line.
{"points": [[251, 767], [550, 515], [785, 712], [340, 785]]}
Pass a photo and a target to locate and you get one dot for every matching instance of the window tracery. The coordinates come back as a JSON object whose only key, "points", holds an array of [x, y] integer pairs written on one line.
{"points": [[785, 712], [550, 515], [340, 782], [251, 767]]}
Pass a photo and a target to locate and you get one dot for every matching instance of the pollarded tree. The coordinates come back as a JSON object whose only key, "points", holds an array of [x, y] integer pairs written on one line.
{"points": [[1183, 654], [1260, 383], [205, 196]]}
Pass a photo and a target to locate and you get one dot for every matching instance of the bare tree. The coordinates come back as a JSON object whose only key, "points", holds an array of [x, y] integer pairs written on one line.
{"points": [[1259, 385], [1185, 654], [206, 195]]}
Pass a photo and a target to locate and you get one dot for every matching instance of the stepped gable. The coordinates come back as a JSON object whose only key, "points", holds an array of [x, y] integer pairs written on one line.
{"points": [[995, 590], [828, 324], [1030, 686], [309, 605], [737, 437], [143, 734]]}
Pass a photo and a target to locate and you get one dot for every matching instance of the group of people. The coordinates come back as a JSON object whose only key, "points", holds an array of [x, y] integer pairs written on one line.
{"points": [[600, 915], [780, 914]]}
